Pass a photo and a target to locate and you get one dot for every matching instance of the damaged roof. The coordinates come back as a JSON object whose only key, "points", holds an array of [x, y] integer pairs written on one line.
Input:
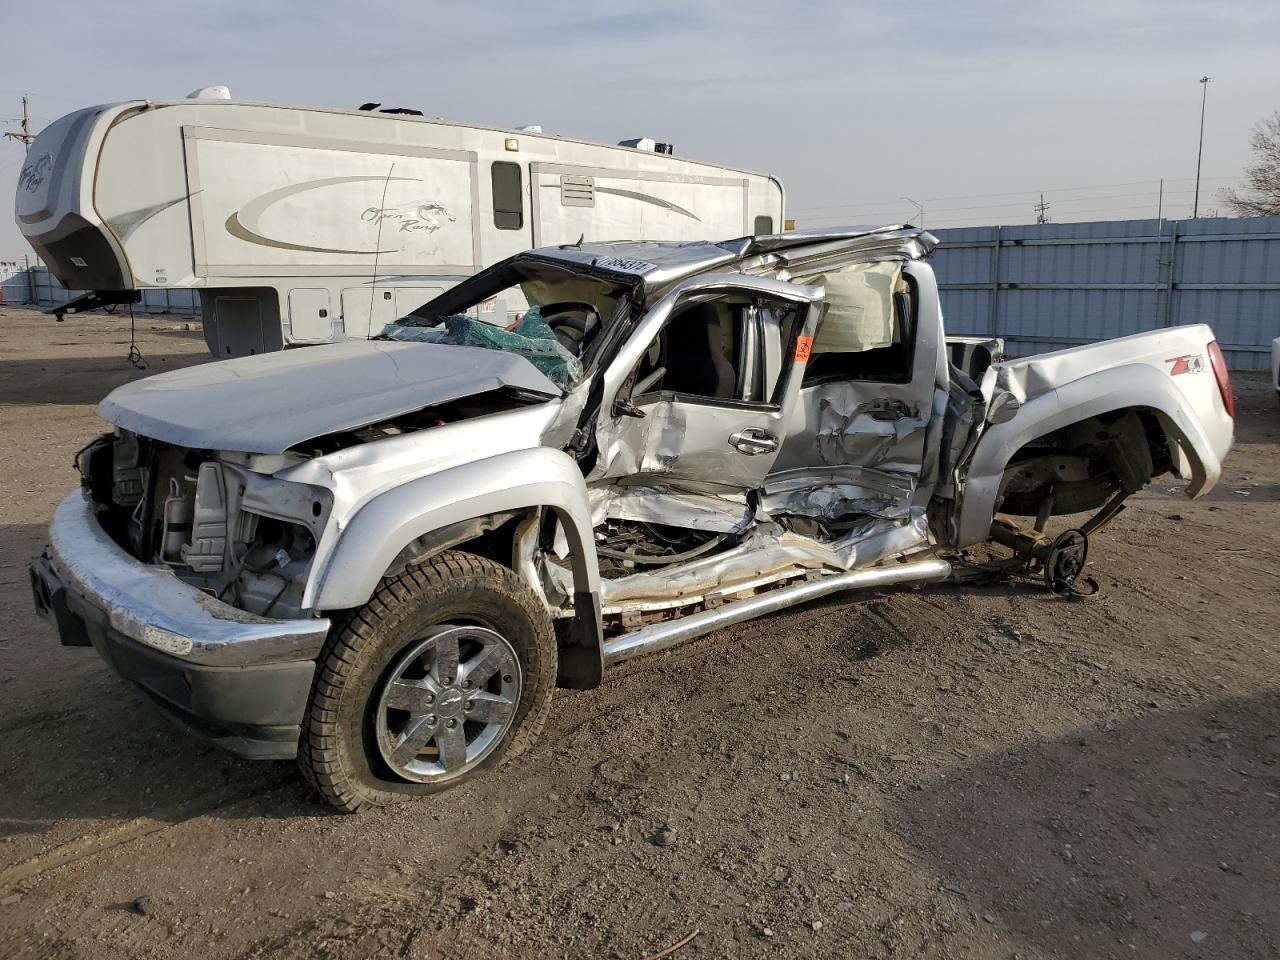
{"points": [[657, 265]]}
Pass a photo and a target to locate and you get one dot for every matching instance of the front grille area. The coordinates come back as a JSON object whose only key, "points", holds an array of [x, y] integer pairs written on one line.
{"points": [[183, 508], [154, 503]]}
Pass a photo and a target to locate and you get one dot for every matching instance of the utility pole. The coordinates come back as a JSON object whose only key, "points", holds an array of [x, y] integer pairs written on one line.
{"points": [[1042, 211], [1204, 93], [26, 136]]}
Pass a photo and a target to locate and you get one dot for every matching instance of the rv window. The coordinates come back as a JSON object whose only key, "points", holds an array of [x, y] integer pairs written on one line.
{"points": [[508, 196], [764, 226]]}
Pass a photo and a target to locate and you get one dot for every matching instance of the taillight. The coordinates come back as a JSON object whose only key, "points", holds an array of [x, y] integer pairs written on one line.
{"points": [[1219, 364]]}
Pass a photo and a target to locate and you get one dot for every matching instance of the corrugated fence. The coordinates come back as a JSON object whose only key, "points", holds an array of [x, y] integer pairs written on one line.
{"points": [[1048, 286], [1040, 286], [22, 284]]}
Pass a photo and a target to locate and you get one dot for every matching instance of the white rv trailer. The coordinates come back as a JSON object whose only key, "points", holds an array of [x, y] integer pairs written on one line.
{"points": [[308, 225]]}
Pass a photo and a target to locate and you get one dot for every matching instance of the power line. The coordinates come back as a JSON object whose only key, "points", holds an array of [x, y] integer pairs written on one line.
{"points": [[854, 205], [981, 196], [1020, 204], [979, 220], [1015, 219], [43, 96]]}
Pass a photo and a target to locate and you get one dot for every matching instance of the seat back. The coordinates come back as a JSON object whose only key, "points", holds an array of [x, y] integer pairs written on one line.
{"points": [[697, 361]]}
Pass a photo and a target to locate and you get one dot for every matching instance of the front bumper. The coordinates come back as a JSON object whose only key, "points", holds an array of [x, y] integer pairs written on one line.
{"points": [[240, 680]]}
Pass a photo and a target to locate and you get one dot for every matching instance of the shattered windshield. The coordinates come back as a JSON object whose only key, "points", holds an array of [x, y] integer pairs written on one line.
{"points": [[530, 337], [549, 315]]}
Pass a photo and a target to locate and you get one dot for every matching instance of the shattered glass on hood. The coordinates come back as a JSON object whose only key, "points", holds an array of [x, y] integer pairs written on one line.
{"points": [[531, 338]]}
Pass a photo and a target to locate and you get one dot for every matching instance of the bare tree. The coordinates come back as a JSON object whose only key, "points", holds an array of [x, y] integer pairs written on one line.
{"points": [[1261, 195]]}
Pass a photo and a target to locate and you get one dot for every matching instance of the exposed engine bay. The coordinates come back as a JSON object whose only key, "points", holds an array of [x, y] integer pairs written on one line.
{"points": [[219, 524]]}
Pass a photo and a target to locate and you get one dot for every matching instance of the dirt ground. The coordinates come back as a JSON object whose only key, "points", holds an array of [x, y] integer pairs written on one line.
{"points": [[979, 772]]}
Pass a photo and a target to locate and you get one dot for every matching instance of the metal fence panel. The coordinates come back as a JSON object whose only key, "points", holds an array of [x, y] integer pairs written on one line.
{"points": [[15, 285], [1048, 286], [20, 282], [1040, 286]]}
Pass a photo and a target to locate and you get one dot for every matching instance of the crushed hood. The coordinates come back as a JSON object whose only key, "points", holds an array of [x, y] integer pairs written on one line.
{"points": [[273, 401]]}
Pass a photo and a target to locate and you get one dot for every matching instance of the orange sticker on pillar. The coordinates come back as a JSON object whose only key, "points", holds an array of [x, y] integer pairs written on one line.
{"points": [[804, 347]]}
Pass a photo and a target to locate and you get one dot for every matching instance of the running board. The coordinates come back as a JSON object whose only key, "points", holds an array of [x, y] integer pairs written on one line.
{"points": [[660, 636]]}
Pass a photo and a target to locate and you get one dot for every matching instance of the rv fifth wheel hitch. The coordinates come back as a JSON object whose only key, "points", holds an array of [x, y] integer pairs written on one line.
{"points": [[94, 300]]}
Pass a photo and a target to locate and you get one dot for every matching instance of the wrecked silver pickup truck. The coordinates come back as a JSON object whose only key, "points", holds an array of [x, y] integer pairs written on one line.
{"points": [[381, 556]]}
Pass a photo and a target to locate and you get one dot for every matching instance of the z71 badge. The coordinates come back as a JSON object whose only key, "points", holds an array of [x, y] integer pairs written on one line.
{"points": [[1187, 363]]}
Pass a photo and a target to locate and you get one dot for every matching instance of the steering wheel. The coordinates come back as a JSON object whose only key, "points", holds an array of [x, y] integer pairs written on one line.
{"points": [[574, 324]]}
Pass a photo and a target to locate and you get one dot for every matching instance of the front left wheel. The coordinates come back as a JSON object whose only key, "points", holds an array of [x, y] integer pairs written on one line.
{"points": [[447, 670]]}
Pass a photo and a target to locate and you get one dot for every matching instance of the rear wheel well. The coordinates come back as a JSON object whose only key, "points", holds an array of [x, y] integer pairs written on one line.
{"points": [[1085, 463]]}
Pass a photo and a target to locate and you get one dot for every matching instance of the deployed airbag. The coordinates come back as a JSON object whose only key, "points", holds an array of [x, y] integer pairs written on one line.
{"points": [[859, 307]]}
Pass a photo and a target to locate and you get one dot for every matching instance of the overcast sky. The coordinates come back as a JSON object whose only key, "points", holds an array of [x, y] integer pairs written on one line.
{"points": [[970, 108]]}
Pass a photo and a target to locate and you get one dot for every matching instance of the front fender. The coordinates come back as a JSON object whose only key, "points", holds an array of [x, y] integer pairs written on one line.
{"points": [[371, 540], [1130, 386]]}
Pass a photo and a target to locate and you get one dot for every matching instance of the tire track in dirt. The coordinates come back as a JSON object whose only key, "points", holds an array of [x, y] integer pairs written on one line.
{"points": [[165, 818]]}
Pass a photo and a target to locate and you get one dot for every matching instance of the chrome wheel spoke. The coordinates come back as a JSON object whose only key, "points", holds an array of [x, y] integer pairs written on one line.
{"points": [[445, 666], [489, 708], [485, 664], [452, 742], [414, 738], [416, 696]]}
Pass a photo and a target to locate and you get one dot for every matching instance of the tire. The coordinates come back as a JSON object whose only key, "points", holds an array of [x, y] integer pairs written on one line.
{"points": [[369, 661]]}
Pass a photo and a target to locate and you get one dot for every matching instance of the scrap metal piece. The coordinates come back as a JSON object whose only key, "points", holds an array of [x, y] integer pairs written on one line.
{"points": [[768, 553], [832, 492], [724, 513]]}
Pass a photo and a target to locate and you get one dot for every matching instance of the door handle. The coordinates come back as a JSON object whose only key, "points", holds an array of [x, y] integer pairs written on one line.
{"points": [[753, 441]]}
